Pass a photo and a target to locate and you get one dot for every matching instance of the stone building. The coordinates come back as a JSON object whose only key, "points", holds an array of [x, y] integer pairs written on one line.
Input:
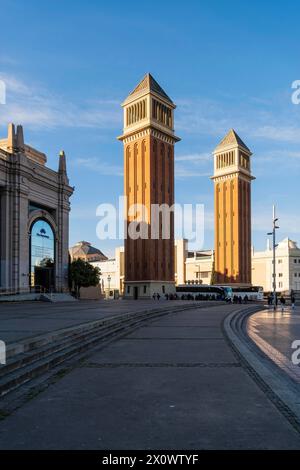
{"points": [[112, 272], [192, 266], [149, 140], [287, 267], [85, 251], [34, 218]]}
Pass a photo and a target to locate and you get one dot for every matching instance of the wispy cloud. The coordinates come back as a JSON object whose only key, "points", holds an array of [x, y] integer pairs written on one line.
{"points": [[277, 155], [191, 165], [289, 222], [262, 119], [36, 107], [99, 166], [278, 133], [7, 60], [183, 172], [83, 212], [194, 158]]}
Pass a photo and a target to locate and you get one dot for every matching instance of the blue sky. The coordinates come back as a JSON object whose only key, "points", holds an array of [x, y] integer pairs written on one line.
{"points": [[69, 64]]}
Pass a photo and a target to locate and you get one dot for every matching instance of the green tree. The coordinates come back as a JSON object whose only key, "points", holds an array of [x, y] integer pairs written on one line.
{"points": [[213, 278], [83, 274]]}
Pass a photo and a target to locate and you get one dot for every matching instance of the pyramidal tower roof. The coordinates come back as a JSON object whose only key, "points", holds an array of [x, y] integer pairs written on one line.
{"points": [[232, 139], [148, 83]]}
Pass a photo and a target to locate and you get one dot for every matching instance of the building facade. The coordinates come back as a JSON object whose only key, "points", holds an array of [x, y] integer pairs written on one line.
{"points": [[34, 215], [148, 139], [192, 267], [197, 267], [85, 251], [287, 267], [232, 186], [112, 273]]}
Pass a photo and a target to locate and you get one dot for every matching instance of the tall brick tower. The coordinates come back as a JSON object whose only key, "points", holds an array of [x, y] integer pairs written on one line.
{"points": [[148, 139], [232, 179]]}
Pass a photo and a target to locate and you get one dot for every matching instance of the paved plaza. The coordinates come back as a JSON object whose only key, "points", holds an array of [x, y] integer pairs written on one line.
{"points": [[174, 383], [274, 333], [28, 319]]}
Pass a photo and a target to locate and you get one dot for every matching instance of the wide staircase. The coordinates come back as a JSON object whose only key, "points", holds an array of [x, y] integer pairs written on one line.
{"points": [[44, 297], [49, 354], [57, 297]]}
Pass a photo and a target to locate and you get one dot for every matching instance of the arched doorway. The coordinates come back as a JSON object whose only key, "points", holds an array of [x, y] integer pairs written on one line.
{"points": [[42, 256]]}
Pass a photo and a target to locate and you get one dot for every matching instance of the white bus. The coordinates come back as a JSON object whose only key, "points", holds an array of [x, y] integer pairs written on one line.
{"points": [[252, 292], [200, 292]]}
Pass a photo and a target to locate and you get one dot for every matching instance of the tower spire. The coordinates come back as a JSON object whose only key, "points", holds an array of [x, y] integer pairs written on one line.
{"points": [[149, 141], [20, 138], [232, 179], [62, 166], [11, 138]]}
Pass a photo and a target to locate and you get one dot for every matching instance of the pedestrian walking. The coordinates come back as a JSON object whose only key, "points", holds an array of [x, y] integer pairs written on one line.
{"points": [[282, 303], [293, 300]]}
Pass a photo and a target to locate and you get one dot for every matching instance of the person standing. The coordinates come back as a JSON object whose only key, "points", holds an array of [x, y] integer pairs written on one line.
{"points": [[282, 303], [293, 300]]}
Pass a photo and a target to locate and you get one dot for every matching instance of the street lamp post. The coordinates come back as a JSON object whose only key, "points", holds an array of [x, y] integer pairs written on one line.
{"points": [[273, 233], [108, 279]]}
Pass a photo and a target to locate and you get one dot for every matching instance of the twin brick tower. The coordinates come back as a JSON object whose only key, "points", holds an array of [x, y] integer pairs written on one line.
{"points": [[149, 140]]}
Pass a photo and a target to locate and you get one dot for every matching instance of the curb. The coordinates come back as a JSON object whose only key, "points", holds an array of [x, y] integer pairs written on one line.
{"points": [[279, 388]]}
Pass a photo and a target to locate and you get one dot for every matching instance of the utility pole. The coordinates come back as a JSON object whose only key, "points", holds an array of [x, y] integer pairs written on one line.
{"points": [[273, 233]]}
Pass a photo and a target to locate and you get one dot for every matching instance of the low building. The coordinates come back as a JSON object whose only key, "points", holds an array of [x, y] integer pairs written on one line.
{"points": [[192, 267], [196, 267], [199, 266], [112, 272], [34, 216], [287, 267], [85, 251]]}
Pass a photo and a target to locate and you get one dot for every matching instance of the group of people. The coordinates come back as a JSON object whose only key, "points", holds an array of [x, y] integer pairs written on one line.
{"points": [[237, 299], [282, 301], [156, 296]]}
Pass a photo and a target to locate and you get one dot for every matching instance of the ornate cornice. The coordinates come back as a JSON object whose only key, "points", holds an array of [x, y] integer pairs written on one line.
{"points": [[149, 131], [229, 176]]}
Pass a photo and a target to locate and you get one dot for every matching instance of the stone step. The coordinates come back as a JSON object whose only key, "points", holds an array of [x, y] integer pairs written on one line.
{"points": [[26, 297], [38, 366], [49, 347], [37, 356], [57, 297]]}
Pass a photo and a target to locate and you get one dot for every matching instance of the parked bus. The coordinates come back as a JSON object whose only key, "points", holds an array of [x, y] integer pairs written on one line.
{"points": [[200, 292], [252, 292]]}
